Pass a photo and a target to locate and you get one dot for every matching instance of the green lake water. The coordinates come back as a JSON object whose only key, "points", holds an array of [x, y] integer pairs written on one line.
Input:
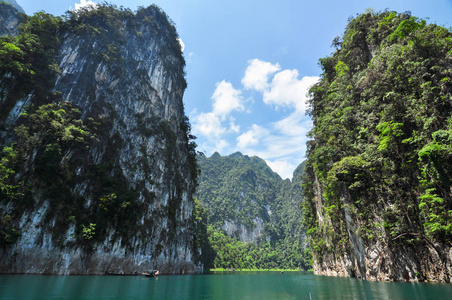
{"points": [[239, 285]]}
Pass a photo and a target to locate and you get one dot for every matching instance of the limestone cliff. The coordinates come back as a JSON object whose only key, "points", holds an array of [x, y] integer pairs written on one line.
{"points": [[378, 186], [120, 200], [14, 4], [10, 18]]}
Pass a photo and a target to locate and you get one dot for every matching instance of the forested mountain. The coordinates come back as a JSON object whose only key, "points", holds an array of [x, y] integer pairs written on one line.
{"points": [[244, 200], [378, 201], [97, 166]]}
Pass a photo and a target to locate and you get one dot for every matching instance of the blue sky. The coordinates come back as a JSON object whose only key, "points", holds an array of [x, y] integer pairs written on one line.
{"points": [[250, 64]]}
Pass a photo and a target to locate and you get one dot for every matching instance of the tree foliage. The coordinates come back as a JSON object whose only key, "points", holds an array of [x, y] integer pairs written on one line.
{"points": [[230, 253], [27, 61]]}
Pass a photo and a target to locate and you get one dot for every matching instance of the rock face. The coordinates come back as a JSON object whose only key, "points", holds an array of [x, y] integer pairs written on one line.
{"points": [[380, 260], [134, 185], [247, 200], [10, 18], [14, 4]]}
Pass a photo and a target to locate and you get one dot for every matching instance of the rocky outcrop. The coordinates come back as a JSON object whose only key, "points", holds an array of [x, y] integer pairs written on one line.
{"points": [[383, 259], [10, 19], [14, 4], [126, 72]]}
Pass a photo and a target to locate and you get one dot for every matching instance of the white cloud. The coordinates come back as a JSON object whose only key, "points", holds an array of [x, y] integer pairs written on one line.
{"points": [[295, 124], [283, 90], [286, 90], [85, 3], [221, 145], [282, 167], [251, 137], [212, 145], [282, 153], [233, 127], [257, 74], [182, 45], [226, 99], [208, 124], [281, 142], [275, 143]]}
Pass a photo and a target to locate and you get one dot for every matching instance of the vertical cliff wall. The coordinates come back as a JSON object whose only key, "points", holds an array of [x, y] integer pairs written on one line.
{"points": [[119, 201], [378, 200]]}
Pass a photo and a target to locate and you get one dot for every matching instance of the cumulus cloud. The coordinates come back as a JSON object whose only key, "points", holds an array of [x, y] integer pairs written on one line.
{"points": [[286, 90], [276, 141], [208, 124], [211, 146], [257, 74], [220, 145], [295, 124], [85, 3], [233, 127], [226, 99], [280, 142], [251, 137], [282, 167], [281, 153]]}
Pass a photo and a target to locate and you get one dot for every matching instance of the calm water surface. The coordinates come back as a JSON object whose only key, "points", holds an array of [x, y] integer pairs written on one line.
{"points": [[249, 285]]}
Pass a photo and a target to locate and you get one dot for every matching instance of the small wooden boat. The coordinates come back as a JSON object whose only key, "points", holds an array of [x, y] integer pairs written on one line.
{"points": [[152, 274]]}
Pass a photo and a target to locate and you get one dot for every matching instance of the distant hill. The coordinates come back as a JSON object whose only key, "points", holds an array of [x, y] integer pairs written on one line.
{"points": [[239, 193], [246, 200], [247, 216]]}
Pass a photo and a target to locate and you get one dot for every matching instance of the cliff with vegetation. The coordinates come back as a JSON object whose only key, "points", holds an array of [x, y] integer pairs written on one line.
{"points": [[14, 4], [10, 18], [251, 217], [378, 201], [98, 167]]}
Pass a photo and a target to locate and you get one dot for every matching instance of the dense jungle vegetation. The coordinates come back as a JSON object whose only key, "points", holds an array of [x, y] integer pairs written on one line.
{"points": [[238, 191], [381, 146]]}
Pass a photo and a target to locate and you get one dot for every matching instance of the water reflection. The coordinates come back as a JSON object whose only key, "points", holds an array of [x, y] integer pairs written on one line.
{"points": [[248, 286]]}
